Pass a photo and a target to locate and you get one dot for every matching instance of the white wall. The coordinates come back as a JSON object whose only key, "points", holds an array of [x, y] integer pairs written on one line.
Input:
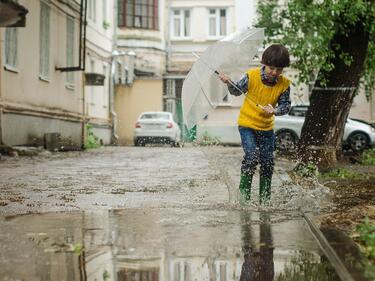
{"points": [[99, 45]]}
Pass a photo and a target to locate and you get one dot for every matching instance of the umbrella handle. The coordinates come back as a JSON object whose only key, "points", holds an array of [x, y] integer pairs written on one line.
{"points": [[234, 85]]}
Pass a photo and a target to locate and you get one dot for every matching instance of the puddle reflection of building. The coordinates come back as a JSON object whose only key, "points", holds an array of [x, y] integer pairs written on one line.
{"points": [[258, 262]]}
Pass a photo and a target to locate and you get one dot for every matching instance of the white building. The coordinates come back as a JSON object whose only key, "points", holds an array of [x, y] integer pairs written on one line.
{"points": [[101, 25], [141, 38]]}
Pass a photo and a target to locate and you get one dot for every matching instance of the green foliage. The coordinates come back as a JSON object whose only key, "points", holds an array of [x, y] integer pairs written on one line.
{"points": [[209, 140], [340, 173], [366, 231], [308, 170], [306, 267], [106, 275], [308, 28], [78, 248], [368, 157], [106, 24], [92, 141]]}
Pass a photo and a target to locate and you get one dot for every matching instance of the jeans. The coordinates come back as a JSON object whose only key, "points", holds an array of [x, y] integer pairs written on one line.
{"points": [[258, 146]]}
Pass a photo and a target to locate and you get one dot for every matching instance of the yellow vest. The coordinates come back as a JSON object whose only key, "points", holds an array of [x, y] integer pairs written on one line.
{"points": [[251, 115]]}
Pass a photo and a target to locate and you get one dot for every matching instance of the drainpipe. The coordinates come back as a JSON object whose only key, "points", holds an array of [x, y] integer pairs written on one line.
{"points": [[83, 110], [1, 104], [112, 112]]}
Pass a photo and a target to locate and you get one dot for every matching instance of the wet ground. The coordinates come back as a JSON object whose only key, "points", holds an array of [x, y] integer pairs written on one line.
{"points": [[123, 177], [153, 213], [159, 244]]}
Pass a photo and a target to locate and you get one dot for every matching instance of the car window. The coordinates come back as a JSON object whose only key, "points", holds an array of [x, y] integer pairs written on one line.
{"points": [[298, 111], [155, 116]]}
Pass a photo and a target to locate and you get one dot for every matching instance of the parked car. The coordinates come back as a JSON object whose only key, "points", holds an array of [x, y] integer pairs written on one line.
{"points": [[156, 127], [357, 135]]}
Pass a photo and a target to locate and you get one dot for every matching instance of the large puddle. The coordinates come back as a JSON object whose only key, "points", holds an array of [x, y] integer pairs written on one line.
{"points": [[160, 244]]}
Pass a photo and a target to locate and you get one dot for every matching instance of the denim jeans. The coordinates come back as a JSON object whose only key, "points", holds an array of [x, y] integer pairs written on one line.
{"points": [[258, 146]]}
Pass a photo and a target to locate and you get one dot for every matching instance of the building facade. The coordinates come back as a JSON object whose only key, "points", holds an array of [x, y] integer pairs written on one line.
{"points": [[191, 29], [47, 97], [39, 103], [100, 32], [141, 41]]}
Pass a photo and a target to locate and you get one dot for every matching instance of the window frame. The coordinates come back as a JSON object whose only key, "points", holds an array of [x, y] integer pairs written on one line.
{"points": [[217, 17], [69, 76], [11, 48], [182, 19], [146, 11], [44, 42]]}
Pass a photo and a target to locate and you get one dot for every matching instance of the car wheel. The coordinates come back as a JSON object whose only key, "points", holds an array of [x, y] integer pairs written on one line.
{"points": [[136, 142], [286, 141], [139, 142], [358, 141]]}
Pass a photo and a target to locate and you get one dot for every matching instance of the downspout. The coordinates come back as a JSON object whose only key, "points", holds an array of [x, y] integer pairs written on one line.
{"points": [[84, 133], [113, 114], [1, 103]]}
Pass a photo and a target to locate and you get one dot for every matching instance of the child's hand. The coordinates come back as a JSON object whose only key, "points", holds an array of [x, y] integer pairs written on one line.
{"points": [[268, 108], [224, 78]]}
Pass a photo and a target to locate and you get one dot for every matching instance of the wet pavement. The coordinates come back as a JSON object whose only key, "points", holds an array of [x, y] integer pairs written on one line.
{"points": [[159, 244], [127, 177], [153, 213]]}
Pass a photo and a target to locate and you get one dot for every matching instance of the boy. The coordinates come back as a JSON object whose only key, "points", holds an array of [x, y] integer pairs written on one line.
{"points": [[265, 87]]}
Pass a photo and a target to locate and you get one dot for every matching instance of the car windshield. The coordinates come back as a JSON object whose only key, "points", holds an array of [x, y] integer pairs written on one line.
{"points": [[155, 116]]}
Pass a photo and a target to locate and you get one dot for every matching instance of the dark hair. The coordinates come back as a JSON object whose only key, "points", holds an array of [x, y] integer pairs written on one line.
{"points": [[276, 55]]}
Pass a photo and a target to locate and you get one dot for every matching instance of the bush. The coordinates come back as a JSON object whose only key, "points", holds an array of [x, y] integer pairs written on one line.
{"points": [[92, 141]]}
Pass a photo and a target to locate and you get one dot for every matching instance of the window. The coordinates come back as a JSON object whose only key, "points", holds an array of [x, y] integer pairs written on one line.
{"points": [[44, 40], [91, 9], [217, 22], [104, 10], [92, 96], [180, 23], [11, 46], [105, 89], [70, 49], [94, 10], [138, 13]]}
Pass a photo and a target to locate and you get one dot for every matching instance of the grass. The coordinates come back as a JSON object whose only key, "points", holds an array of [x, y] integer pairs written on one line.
{"points": [[366, 240], [368, 157]]}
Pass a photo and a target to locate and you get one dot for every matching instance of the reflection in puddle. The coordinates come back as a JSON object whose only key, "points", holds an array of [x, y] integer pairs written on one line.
{"points": [[158, 244]]}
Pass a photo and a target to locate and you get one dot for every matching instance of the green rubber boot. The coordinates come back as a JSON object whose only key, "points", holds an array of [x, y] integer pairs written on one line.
{"points": [[264, 190], [245, 186]]}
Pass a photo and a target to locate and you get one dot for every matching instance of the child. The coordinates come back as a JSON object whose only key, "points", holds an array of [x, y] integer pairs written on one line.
{"points": [[265, 87]]}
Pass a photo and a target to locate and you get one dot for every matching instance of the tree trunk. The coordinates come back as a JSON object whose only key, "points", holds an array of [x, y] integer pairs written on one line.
{"points": [[329, 108]]}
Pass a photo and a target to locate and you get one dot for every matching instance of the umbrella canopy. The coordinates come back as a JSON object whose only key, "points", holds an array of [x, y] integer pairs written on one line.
{"points": [[202, 90]]}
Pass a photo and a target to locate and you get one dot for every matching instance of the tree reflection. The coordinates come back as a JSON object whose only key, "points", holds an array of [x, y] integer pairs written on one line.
{"points": [[258, 261]]}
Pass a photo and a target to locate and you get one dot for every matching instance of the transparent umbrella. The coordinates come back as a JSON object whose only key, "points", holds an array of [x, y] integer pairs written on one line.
{"points": [[202, 90]]}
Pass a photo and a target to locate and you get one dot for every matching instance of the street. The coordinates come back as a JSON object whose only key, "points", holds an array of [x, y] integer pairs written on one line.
{"points": [[150, 213], [129, 177]]}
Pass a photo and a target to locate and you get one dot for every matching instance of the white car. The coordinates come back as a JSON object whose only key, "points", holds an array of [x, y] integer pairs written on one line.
{"points": [[156, 127], [358, 135]]}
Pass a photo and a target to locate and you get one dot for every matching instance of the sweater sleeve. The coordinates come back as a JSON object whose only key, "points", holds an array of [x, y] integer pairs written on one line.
{"points": [[242, 84], [283, 103]]}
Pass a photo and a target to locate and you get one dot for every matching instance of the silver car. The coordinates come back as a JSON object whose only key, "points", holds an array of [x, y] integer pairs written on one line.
{"points": [[358, 135], [156, 127]]}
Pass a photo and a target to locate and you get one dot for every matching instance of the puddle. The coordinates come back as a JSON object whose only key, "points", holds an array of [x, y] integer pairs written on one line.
{"points": [[160, 244]]}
